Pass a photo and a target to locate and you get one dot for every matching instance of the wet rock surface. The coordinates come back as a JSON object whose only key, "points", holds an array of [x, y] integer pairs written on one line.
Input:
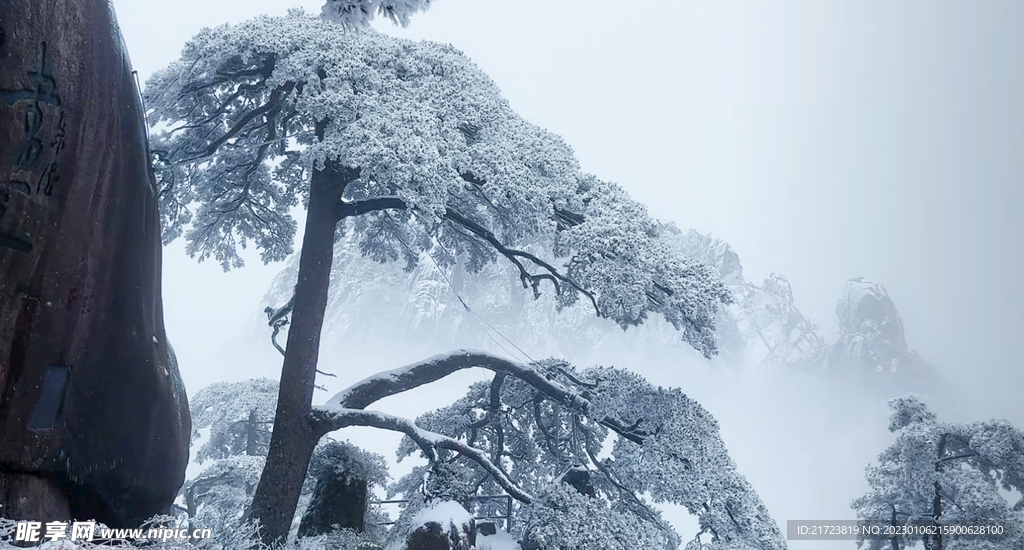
{"points": [[579, 478], [90, 396]]}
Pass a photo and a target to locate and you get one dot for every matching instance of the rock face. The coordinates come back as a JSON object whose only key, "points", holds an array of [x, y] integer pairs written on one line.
{"points": [[444, 526], [338, 502], [871, 343], [93, 414], [579, 478]]}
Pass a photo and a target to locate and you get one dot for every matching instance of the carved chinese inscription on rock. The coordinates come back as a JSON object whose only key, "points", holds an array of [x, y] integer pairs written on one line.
{"points": [[91, 403], [35, 160]]}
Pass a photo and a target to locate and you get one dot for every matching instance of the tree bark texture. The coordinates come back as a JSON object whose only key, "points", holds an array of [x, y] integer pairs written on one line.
{"points": [[91, 402], [294, 435]]}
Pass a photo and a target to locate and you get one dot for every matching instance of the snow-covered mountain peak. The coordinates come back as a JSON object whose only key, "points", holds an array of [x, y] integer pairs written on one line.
{"points": [[865, 305], [871, 341]]}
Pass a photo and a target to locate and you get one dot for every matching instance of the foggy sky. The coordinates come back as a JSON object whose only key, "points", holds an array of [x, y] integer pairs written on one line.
{"points": [[823, 140]]}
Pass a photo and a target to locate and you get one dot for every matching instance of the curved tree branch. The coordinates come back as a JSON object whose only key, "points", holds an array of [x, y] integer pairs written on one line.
{"points": [[364, 393], [355, 208], [513, 256], [388, 383], [337, 418]]}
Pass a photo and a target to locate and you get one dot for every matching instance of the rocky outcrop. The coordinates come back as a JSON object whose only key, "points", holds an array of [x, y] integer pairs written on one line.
{"points": [[579, 478], [763, 327], [871, 343], [93, 414], [338, 502], [444, 525]]}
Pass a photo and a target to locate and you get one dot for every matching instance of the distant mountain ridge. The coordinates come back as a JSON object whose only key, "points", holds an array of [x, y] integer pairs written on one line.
{"points": [[425, 309]]}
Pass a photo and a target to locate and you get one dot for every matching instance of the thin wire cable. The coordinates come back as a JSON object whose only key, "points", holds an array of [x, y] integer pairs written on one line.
{"points": [[463, 301], [477, 316]]}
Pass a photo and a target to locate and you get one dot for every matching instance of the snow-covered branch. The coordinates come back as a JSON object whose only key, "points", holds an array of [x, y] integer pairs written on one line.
{"points": [[528, 279], [335, 418], [359, 13], [388, 383], [347, 209]]}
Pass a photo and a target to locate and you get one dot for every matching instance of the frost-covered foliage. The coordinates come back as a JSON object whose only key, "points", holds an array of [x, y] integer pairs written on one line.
{"points": [[239, 416], [563, 519], [443, 163], [345, 458], [665, 445], [359, 13], [342, 539], [217, 498], [945, 472]]}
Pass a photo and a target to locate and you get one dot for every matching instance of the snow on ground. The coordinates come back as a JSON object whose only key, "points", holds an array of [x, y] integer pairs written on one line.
{"points": [[444, 513], [498, 541]]}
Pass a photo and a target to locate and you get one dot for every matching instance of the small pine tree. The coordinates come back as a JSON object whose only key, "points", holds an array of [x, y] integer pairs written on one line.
{"points": [[943, 473]]}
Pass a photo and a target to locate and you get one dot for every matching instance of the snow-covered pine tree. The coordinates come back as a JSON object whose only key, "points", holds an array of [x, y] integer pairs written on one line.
{"points": [[531, 424], [939, 472], [415, 149], [359, 13], [239, 416]]}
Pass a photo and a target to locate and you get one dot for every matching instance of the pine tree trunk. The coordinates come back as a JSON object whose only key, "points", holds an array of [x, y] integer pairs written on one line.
{"points": [[937, 499], [894, 541], [251, 434], [294, 436], [936, 517]]}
